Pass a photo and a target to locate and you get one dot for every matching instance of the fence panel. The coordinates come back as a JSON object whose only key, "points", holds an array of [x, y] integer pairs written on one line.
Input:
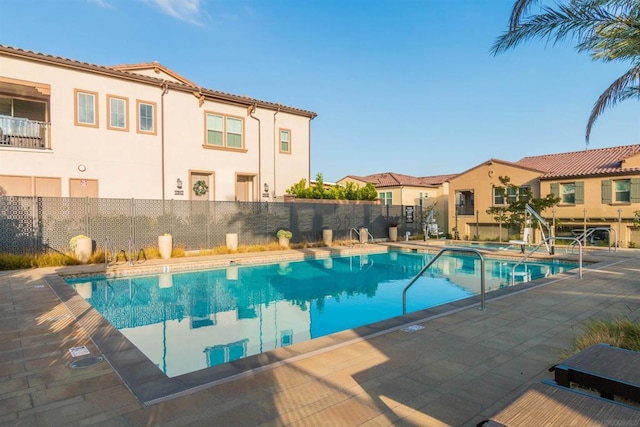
{"points": [[48, 223]]}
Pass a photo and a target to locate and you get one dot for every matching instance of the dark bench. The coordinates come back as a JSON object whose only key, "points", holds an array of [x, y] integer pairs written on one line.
{"points": [[612, 371]]}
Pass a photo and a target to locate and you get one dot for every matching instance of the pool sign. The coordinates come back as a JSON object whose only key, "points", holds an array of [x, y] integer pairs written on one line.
{"points": [[408, 214]]}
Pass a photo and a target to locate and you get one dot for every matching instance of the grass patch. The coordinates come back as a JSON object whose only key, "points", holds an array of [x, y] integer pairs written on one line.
{"points": [[22, 261], [57, 259], [619, 332]]}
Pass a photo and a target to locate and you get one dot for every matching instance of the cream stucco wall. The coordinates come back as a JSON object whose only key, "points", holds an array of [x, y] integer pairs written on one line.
{"points": [[434, 196], [481, 181], [128, 164], [592, 212]]}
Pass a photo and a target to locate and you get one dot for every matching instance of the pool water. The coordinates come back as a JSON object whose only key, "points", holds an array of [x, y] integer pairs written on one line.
{"points": [[188, 321]]}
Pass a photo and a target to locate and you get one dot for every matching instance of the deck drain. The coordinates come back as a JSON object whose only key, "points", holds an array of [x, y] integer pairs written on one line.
{"points": [[413, 328], [86, 362]]}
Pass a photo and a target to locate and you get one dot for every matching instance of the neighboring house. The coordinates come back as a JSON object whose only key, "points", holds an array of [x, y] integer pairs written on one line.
{"points": [[474, 191], [597, 187], [398, 189], [69, 128]]}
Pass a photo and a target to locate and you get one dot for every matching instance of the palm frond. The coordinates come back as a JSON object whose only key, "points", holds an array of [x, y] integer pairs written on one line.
{"points": [[567, 21], [520, 7], [621, 89]]}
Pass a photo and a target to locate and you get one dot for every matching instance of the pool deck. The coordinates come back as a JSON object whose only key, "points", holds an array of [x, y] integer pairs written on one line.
{"points": [[458, 370]]}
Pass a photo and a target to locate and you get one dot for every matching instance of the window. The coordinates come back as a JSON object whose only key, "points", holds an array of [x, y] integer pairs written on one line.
{"points": [[215, 130], [146, 117], [622, 190], [223, 131], [523, 193], [512, 194], [219, 354], [234, 132], [498, 196], [286, 338], [465, 202], [86, 106], [118, 112], [568, 191], [285, 141], [386, 197]]}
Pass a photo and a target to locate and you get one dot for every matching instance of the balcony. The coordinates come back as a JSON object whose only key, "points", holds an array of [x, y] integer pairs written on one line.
{"points": [[23, 133]]}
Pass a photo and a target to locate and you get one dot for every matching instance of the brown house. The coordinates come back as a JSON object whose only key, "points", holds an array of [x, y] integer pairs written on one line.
{"points": [[598, 188], [398, 189]]}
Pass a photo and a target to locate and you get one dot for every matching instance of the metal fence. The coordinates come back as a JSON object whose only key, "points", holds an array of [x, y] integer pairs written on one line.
{"points": [[40, 224]]}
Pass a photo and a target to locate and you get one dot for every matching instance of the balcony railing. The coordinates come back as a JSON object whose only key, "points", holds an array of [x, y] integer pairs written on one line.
{"points": [[23, 133], [465, 210]]}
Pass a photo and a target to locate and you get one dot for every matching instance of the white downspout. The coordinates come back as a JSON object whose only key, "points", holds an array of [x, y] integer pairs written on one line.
{"points": [[165, 89], [276, 149], [252, 109]]}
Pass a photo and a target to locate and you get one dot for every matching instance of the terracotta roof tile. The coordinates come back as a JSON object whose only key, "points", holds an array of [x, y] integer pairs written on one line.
{"points": [[392, 179], [437, 179], [601, 161], [122, 73]]}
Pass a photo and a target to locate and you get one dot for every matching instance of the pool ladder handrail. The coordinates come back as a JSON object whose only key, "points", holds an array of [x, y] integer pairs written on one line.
{"points": [[544, 242], [426, 267], [108, 249], [131, 249], [590, 231], [354, 230]]}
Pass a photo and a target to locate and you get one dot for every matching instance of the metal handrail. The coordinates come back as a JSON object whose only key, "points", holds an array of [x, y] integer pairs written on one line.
{"points": [[351, 231], [544, 242], [443, 250], [590, 231], [131, 250], [107, 246], [354, 230]]}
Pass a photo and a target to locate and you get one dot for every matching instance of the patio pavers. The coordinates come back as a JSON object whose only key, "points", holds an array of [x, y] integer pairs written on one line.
{"points": [[456, 371]]}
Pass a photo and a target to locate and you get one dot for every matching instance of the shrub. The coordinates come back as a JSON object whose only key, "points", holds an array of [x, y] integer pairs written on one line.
{"points": [[619, 332], [284, 233]]}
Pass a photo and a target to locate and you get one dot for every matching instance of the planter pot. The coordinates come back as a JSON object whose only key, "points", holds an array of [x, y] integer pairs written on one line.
{"points": [[232, 273], [165, 244], [83, 249], [364, 234], [232, 241], [284, 242], [393, 234], [165, 281], [327, 237], [85, 290]]}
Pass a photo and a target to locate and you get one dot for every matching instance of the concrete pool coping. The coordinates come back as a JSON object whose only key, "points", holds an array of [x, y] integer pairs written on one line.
{"points": [[151, 386]]}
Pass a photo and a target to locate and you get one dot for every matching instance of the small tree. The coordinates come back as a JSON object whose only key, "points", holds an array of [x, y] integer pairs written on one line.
{"points": [[513, 214], [350, 191]]}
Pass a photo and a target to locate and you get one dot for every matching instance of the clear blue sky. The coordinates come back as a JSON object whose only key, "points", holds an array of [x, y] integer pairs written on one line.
{"points": [[404, 86]]}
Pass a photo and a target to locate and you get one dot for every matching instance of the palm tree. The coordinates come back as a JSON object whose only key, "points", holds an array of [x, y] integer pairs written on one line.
{"points": [[609, 30]]}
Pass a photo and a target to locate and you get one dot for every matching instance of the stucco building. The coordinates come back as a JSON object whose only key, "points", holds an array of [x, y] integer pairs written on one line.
{"points": [[596, 187], [398, 189], [74, 129]]}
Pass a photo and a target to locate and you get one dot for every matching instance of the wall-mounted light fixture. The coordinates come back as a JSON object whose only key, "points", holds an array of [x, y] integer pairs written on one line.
{"points": [[266, 187], [82, 168], [179, 183]]}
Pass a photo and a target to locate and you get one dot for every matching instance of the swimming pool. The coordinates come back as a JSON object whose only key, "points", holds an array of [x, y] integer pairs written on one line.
{"points": [[188, 321]]}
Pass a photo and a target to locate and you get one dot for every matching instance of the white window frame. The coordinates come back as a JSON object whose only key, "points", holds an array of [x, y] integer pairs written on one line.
{"points": [[386, 197], [124, 114], [498, 198], [286, 132], [225, 131], [564, 194], [141, 119], [617, 196], [82, 109]]}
